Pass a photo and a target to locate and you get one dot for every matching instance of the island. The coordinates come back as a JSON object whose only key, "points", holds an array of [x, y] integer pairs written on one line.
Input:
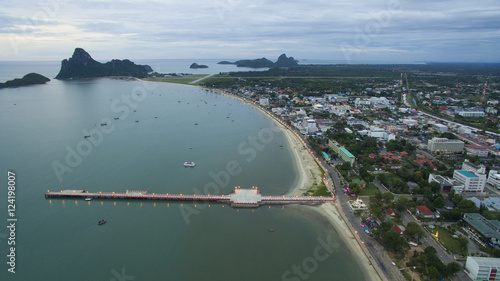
{"points": [[196, 66], [283, 61], [82, 65], [27, 80]]}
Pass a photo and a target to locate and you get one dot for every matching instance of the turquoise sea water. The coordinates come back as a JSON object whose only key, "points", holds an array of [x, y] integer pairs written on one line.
{"points": [[43, 142]]}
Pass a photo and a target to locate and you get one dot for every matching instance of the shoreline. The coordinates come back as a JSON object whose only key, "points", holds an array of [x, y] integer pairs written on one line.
{"points": [[304, 162]]}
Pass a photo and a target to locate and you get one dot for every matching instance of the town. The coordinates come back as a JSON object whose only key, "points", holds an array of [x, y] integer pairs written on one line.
{"points": [[413, 148]]}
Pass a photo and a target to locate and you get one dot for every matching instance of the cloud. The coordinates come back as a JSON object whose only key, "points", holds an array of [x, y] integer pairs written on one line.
{"points": [[416, 30]]}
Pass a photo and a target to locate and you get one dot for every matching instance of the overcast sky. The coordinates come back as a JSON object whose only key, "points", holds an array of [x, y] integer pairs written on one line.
{"points": [[345, 30]]}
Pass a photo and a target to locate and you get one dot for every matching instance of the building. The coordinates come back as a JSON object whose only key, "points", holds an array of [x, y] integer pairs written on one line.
{"points": [[264, 101], [480, 268], [440, 127], [471, 113], [343, 153], [486, 232], [494, 178], [476, 150], [310, 126], [425, 212], [447, 184], [473, 168], [473, 182], [445, 145]]}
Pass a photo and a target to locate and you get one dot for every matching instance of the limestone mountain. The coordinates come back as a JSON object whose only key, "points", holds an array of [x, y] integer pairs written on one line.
{"points": [[82, 65]]}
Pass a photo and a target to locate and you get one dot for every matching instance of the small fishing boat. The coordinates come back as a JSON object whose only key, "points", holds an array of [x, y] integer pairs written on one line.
{"points": [[271, 230], [101, 222], [189, 164], [88, 199]]}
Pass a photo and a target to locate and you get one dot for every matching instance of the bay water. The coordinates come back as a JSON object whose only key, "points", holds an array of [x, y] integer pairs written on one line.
{"points": [[140, 135]]}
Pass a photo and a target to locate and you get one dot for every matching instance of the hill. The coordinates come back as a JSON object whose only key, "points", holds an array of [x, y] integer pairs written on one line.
{"points": [[28, 79], [283, 61], [82, 65]]}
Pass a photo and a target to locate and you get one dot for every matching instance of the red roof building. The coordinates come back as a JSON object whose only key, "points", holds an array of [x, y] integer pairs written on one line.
{"points": [[390, 212], [397, 229], [426, 212], [403, 153]]}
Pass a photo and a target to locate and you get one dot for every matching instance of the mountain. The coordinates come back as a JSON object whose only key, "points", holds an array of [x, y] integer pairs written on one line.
{"points": [[28, 79], [82, 65], [282, 61], [195, 65]]}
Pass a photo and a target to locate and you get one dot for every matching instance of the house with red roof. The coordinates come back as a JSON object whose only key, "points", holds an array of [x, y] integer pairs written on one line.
{"points": [[390, 212], [425, 212], [398, 229], [403, 153]]}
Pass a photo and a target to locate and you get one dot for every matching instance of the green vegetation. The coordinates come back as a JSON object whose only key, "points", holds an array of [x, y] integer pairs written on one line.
{"points": [[317, 190], [428, 264], [454, 245], [28, 79]]}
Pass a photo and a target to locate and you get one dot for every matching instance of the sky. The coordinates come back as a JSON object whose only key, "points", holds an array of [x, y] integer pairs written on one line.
{"points": [[347, 31]]}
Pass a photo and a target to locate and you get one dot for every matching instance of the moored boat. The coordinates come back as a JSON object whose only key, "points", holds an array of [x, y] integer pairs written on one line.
{"points": [[189, 164], [103, 221]]}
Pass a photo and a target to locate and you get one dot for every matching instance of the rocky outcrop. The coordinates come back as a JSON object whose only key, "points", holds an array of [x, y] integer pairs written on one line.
{"points": [[82, 65], [195, 66], [27, 80], [283, 61]]}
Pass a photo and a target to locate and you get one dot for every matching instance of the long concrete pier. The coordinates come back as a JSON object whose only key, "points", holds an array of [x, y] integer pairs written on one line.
{"points": [[239, 198]]}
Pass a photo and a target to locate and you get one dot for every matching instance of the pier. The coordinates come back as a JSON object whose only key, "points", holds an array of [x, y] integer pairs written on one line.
{"points": [[239, 198]]}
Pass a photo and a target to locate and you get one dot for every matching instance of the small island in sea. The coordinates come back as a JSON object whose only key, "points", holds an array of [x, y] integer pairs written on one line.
{"points": [[82, 65], [196, 66], [27, 80], [283, 61]]}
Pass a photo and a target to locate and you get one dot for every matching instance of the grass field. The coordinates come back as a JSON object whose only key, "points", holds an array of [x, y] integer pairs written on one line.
{"points": [[369, 190], [177, 80], [446, 238]]}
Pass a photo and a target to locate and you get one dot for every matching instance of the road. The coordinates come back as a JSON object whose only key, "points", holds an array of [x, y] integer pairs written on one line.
{"points": [[199, 79]]}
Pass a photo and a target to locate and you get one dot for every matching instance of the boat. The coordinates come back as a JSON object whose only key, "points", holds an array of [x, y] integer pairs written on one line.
{"points": [[189, 164], [103, 221], [271, 230], [88, 199]]}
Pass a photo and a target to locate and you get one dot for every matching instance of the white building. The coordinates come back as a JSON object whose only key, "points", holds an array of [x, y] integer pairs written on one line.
{"points": [[264, 101], [494, 178], [473, 168], [440, 127], [480, 268], [445, 145], [473, 182], [410, 122], [310, 126], [471, 113]]}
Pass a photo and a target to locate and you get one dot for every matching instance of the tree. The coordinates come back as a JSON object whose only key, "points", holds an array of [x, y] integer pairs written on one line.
{"points": [[388, 197], [393, 241], [402, 204], [414, 231], [452, 268]]}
